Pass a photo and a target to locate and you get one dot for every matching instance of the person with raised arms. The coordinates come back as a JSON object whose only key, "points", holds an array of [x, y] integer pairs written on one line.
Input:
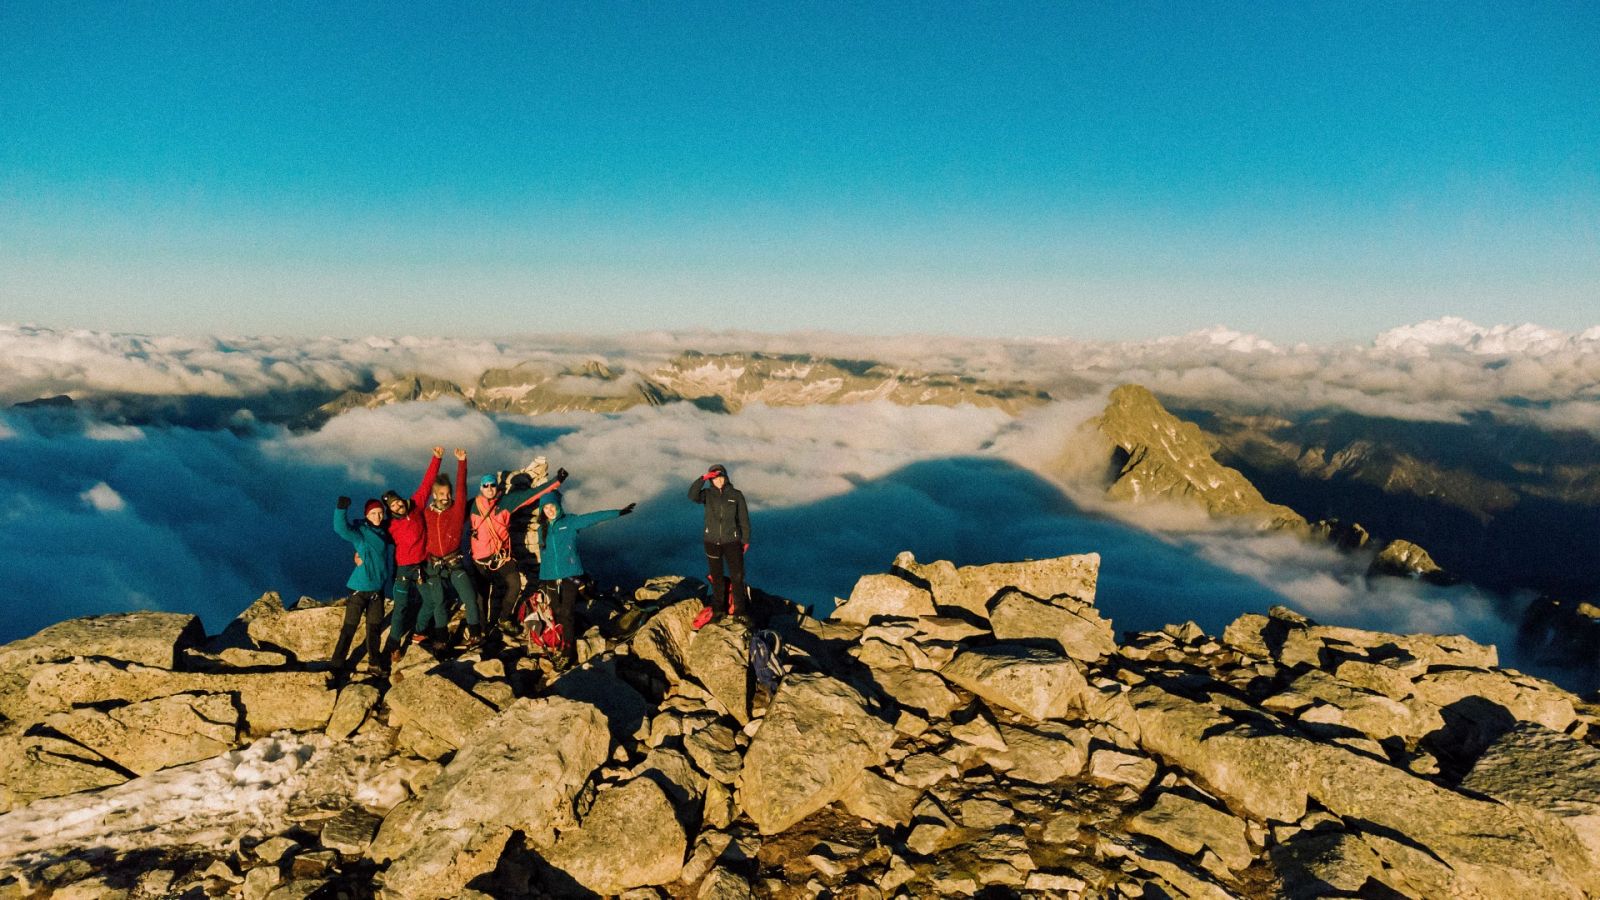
{"points": [[409, 531], [446, 516]]}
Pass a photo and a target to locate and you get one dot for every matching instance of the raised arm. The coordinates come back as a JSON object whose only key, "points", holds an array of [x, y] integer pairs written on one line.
{"points": [[697, 490], [341, 527], [420, 498], [461, 480]]}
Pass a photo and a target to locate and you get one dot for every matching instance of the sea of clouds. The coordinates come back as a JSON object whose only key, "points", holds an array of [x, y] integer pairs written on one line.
{"points": [[103, 517]]}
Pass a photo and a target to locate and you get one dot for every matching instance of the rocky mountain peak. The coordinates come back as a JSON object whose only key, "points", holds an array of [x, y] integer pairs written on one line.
{"points": [[1158, 456], [951, 731]]}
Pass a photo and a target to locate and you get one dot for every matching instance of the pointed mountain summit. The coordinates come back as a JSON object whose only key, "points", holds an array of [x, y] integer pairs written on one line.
{"points": [[1156, 456]]}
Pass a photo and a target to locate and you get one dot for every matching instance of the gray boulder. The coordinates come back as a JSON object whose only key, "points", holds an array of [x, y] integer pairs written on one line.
{"points": [[297, 701], [521, 771], [435, 704], [629, 838], [883, 596], [718, 657], [817, 738], [1543, 771], [147, 638], [151, 735], [1189, 826], [1036, 683], [1075, 628]]}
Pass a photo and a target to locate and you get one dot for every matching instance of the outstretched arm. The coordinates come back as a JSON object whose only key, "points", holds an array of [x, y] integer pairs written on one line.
{"points": [[420, 498], [595, 518]]}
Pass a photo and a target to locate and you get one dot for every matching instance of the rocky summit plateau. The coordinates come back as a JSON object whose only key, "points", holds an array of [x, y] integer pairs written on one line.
{"points": [[947, 732]]}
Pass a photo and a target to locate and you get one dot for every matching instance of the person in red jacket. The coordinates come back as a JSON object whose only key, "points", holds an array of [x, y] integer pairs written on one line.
{"points": [[408, 529], [446, 515]]}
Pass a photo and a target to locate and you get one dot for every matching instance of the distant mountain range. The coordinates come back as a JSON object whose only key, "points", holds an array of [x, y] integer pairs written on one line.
{"points": [[725, 382]]}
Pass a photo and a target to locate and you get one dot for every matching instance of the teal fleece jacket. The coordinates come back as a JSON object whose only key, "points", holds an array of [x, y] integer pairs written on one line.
{"points": [[376, 572]]}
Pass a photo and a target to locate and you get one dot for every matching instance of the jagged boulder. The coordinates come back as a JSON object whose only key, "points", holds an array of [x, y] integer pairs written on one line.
{"points": [[1075, 628], [665, 639], [350, 710], [34, 766], [1189, 826], [973, 588], [1546, 772], [629, 838], [817, 738], [1036, 683], [1042, 755], [296, 701], [519, 772], [151, 735], [883, 596], [1454, 845], [307, 633], [718, 656], [437, 705], [147, 638]]}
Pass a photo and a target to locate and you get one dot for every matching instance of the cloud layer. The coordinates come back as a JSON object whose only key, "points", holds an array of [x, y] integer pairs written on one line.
{"points": [[1442, 370], [103, 518]]}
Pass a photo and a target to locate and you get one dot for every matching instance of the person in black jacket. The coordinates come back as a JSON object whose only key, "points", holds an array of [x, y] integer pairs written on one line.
{"points": [[727, 539]]}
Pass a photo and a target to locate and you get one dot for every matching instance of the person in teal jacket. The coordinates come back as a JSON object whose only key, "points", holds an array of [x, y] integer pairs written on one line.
{"points": [[372, 578], [559, 565]]}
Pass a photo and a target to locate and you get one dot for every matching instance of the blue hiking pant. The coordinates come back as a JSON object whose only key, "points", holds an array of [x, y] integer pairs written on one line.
{"points": [[407, 596], [435, 613]]}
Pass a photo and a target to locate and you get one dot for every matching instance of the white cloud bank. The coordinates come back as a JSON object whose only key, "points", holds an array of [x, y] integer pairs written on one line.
{"points": [[1438, 371], [208, 520]]}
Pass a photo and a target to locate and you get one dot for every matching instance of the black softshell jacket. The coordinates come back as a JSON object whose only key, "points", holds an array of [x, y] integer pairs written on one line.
{"points": [[727, 518]]}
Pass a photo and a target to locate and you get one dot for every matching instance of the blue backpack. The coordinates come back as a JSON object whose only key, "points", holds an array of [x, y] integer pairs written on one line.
{"points": [[765, 646]]}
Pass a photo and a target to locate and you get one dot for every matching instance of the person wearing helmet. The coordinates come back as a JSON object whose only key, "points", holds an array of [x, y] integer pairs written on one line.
{"points": [[372, 578], [490, 541], [409, 531], [559, 565], [726, 539]]}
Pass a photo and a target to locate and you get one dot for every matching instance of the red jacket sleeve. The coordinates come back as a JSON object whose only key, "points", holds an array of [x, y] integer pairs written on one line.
{"points": [[420, 498], [461, 488]]}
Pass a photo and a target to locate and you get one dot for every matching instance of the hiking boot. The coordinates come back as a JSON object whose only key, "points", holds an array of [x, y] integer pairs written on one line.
{"points": [[708, 614]]}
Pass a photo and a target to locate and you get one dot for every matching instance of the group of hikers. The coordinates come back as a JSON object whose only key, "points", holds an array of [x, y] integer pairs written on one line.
{"points": [[509, 557]]}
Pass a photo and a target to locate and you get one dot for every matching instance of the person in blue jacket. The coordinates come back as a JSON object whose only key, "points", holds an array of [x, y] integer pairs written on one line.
{"points": [[559, 565], [372, 579]]}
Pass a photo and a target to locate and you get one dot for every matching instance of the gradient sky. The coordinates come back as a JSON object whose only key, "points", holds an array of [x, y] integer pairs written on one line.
{"points": [[1314, 171]]}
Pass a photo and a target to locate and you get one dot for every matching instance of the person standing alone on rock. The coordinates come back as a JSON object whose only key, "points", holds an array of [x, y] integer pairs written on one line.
{"points": [[726, 538], [372, 578]]}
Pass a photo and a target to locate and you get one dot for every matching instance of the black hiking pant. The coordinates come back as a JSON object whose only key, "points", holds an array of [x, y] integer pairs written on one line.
{"points": [[501, 588], [733, 556], [370, 604], [563, 596]]}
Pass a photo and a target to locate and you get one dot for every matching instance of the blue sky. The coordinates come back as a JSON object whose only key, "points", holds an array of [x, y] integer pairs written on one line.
{"points": [[1304, 171]]}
